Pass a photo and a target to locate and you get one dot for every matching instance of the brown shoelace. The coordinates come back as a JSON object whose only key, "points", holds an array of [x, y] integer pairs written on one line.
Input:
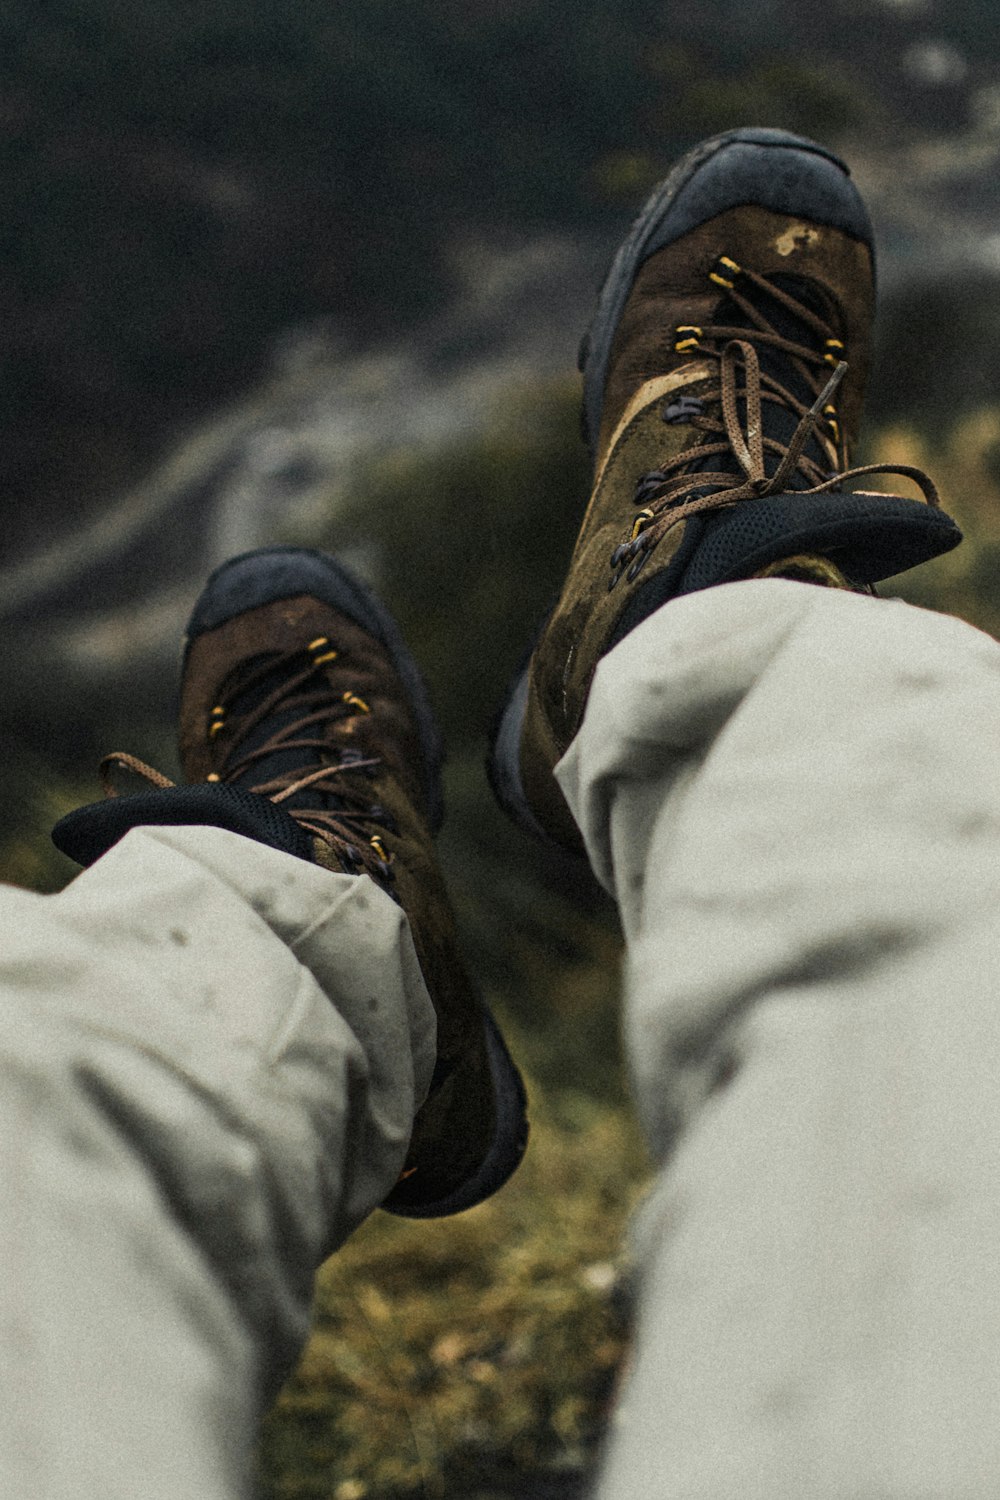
{"points": [[346, 827], [668, 495]]}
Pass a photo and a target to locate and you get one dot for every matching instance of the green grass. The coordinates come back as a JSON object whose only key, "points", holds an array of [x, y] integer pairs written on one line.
{"points": [[485, 1345]]}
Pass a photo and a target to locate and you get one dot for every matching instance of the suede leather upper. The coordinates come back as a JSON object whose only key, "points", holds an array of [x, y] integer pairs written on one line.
{"points": [[455, 1129], [645, 375]]}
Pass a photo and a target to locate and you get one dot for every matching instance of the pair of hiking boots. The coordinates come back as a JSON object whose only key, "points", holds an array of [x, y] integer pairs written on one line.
{"points": [[724, 374]]}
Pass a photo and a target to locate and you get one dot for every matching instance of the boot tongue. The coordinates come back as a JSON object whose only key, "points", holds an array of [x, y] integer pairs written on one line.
{"points": [[779, 422], [784, 322], [280, 762]]}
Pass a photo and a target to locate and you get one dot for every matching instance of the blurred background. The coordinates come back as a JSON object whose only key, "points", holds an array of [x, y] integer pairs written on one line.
{"points": [[316, 272]]}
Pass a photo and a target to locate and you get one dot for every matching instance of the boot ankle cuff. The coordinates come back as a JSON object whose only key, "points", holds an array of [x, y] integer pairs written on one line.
{"points": [[91, 831]]}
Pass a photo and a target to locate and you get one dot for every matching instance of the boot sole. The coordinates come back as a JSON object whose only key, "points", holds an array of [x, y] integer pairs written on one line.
{"points": [[503, 761], [257, 578], [507, 1148]]}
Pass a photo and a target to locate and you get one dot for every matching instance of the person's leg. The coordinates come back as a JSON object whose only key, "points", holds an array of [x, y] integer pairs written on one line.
{"points": [[794, 795], [211, 1054], [791, 792], [243, 1028]]}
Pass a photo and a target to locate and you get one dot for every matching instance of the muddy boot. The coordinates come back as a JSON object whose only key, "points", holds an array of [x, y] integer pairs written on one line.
{"points": [[304, 725], [724, 374]]}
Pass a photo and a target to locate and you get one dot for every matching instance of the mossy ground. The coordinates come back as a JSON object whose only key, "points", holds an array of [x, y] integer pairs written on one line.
{"points": [[468, 1355]]}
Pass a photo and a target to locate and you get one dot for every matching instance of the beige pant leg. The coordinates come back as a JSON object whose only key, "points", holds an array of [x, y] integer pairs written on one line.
{"points": [[210, 1057], [794, 795]]}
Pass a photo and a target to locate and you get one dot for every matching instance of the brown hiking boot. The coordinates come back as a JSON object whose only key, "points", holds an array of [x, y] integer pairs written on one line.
{"points": [[304, 724], [724, 374]]}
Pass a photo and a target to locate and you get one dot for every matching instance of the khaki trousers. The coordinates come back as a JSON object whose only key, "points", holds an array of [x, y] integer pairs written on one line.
{"points": [[211, 1054], [210, 1058]]}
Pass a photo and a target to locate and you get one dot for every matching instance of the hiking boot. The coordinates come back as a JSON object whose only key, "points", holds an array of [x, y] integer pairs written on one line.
{"points": [[724, 373], [304, 724]]}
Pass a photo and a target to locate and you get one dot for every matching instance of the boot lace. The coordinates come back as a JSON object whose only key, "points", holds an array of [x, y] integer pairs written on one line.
{"points": [[670, 494], [331, 799]]}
